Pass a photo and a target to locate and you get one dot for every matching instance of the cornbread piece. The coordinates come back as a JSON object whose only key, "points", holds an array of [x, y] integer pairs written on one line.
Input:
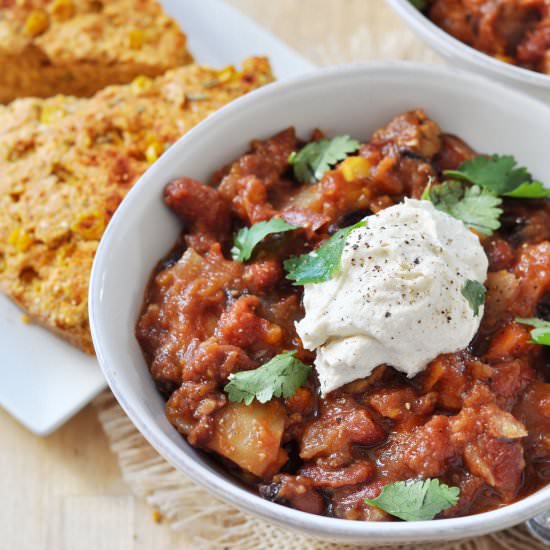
{"points": [[78, 47], [67, 163]]}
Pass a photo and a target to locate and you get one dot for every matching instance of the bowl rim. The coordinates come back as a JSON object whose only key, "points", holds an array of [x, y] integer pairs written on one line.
{"points": [[441, 40], [322, 526]]}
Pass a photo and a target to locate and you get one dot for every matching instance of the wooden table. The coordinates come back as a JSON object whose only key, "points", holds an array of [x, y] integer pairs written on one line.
{"points": [[64, 492]]}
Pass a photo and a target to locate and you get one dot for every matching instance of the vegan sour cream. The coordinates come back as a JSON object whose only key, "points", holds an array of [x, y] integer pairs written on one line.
{"points": [[397, 299]]}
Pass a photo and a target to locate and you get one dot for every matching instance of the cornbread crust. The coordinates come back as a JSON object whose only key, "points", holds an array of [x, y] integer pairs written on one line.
{"points": [[66, 164], [77, 47]]}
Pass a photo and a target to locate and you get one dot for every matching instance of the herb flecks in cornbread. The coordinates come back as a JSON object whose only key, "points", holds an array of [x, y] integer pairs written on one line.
{"points": [[67, 163], [78, 47]]}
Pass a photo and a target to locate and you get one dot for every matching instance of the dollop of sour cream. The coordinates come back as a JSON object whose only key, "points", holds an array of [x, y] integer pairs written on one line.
{"points": [[397, 299]]}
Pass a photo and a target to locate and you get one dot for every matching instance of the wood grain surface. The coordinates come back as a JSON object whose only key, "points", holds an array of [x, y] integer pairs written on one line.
{"points": [[65, 492]]}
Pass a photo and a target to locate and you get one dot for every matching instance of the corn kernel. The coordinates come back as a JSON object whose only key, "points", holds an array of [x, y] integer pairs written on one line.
{"points": [[153, 151], [20, 239], [62, 10], [12, 239], [37, 22], [227, 74], [354, 168], [89, 226], [274, 335], [140, 84], [25, 319], [136, 38], [505, 59], [51, 113], [24, 242]]}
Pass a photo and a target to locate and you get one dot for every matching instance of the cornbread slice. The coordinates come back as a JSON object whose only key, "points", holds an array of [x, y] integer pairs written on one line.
{"points": [[66, 164], [77, 47]]}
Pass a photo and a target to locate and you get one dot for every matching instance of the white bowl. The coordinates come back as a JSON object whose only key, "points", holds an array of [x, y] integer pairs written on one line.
{"points": [[355, 100], [457, 53]]}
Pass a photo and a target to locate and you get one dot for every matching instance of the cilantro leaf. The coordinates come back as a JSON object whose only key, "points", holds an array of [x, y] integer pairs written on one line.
{"points": [[475, 293], [541, 333], [477, 208], [497, 173], [419, 4], [248, 237], [530, 190], [415, 500], [279, 377], [316, 158], [321, 264]]}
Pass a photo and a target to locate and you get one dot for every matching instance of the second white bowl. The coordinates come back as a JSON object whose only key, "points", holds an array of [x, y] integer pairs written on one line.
{"points": [[461, 55]]}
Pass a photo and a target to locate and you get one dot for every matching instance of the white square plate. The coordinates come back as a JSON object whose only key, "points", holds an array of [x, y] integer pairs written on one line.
{"points": [[43, 380]]}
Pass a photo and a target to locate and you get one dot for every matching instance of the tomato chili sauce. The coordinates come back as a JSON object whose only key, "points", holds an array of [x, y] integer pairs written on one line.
{"points": [[477, 419], [514, 31]]}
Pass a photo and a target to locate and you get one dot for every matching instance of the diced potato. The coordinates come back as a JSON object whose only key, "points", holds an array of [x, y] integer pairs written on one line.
{"points": [[503, 424], [500, 464], [502, 293], [511, 341], [250, 436], [477, 463], [446, 375], [434, 373]]}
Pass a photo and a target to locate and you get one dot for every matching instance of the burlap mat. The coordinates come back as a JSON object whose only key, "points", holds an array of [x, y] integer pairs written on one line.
{"points": [[207, 522]]}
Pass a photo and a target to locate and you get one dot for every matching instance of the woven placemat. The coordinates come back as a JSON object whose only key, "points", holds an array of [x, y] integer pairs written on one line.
{"points": [[208, 522]]}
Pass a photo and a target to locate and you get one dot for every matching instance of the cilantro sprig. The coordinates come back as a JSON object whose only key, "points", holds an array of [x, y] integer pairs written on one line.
{"points": [[501, 175], [541, 331], [475, 293], [249, 237], [321, 264], [476, 207], [317, 157], [415, 500], [279, 377], [478, 204]]}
